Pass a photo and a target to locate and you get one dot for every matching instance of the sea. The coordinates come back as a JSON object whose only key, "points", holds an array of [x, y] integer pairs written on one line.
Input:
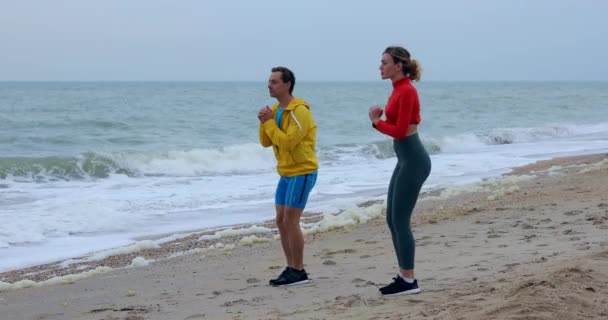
{"points": [[89, 166]]}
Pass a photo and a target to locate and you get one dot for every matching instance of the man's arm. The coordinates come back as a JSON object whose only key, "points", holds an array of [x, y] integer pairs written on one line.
{"points": [[299, 125]]}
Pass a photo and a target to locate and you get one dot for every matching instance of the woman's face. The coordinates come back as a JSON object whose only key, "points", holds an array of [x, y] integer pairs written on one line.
{"points": [[388, 68]]}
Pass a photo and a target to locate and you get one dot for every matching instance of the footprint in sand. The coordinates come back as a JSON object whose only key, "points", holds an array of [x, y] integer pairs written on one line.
{"points": [[415, 301], [511, 265], [260, 298], [358, 282], [573, 213], [234, 303], [570, 232], [195, 316], [354, 300], [132, 310], [332, 253], [215, 294], [253, 280], [597, 219], [329, 263]]}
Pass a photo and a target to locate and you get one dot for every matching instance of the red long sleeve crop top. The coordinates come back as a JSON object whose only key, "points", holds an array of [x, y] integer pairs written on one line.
{"points": [[402, 109]]}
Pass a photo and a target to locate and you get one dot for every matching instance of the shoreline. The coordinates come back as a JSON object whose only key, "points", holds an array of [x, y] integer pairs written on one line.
{"points": [[186, 242], [15, 274], [532, 241]]}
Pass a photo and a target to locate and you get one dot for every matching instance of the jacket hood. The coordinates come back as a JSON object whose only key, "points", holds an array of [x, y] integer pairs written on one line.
{"points": [[293, 104]]}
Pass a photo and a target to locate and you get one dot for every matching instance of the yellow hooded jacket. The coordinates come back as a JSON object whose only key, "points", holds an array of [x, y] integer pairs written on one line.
{"points": [[294, 142]]}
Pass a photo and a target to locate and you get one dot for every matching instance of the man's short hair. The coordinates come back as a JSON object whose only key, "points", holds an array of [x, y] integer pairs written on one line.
{"points": [[286, 76]]}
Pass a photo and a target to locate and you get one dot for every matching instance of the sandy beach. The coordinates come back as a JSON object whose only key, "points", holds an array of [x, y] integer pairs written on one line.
{"points": [[532, 244]]}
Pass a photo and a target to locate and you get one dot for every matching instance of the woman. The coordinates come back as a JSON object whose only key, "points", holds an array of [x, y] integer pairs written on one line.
{"points": [[402, 116]]}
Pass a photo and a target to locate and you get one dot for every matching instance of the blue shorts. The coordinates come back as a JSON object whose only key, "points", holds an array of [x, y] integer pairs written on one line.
{"points": [[293, 191]]}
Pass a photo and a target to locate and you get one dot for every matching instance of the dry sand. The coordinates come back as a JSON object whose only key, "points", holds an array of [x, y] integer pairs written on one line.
{"points": [[532, 246]]}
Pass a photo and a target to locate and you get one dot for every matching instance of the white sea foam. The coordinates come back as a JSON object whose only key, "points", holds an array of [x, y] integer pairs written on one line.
{"points": [[71, 278], [139, 262], [235, 232]]}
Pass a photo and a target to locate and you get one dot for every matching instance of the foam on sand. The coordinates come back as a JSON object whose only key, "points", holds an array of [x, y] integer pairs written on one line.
{"points": [[497, 186], [348, 218], [139, 262], [70, 278], [230, 232], [600, 166], [250, 240]]}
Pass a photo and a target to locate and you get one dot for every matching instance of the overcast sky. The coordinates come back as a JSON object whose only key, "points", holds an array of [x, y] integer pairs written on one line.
{"points": [[329, 40]]}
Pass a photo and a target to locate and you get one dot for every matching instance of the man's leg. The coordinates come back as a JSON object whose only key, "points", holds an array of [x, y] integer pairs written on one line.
{"points": [[283, 231], [294, 237]]}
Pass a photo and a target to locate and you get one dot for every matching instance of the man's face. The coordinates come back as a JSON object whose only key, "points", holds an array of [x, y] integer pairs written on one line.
{"points": [[276, 86]]}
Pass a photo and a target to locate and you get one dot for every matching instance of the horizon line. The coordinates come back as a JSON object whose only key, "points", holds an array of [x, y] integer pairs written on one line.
{"points": [[300, 81]]}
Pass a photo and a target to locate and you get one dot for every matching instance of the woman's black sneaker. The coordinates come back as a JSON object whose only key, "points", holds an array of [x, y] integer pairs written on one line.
{"points": [[290, 277], [400, 286]]}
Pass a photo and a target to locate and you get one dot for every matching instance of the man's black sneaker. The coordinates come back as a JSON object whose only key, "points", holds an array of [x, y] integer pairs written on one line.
{"points": [[282, 275], [400, 286], [291, 277]]}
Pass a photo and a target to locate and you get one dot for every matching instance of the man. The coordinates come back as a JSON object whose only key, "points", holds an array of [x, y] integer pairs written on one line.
{"points": [[291, 131]]}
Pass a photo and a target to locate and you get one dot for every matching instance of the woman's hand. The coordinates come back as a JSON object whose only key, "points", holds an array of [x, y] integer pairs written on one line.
{"points": [[375, 113]]}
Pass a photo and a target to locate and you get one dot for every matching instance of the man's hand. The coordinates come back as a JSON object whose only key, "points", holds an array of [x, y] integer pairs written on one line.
{"points": [[265, 114]]}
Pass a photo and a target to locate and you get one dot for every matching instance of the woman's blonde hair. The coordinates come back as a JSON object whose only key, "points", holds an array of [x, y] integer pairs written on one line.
{"points": [[411, 67]]}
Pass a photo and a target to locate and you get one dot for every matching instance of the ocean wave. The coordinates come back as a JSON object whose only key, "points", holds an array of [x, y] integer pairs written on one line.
{"points": [[355, 151], [58, 168], [243, 159], [503, 136], [522, 135], [251, 158]]}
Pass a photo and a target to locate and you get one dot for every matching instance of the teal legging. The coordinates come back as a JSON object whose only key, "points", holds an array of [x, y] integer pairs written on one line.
{"points": [[413, 167]]}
